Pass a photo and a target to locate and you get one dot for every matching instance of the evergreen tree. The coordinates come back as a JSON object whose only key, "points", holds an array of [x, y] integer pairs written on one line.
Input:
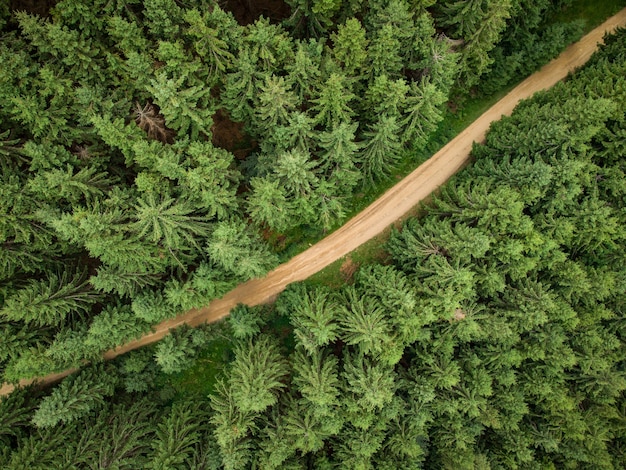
{"points": [[256, 375], [50, 301], [381, 148], [75, 397], [237, 250]]}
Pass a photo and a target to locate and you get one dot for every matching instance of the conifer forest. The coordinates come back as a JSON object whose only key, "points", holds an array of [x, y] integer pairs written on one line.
{"points": [[154, 154]]}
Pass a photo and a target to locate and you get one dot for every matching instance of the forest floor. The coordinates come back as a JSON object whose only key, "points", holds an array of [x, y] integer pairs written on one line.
{"points": [[387, 210]]}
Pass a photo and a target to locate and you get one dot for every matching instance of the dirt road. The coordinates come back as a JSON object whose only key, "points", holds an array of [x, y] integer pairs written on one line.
{"points": [[383, 212]]}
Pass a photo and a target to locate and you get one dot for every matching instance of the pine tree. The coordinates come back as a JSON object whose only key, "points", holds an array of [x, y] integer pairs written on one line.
{"points": [[114, 326], [381, 148], [331, 106], [232, 425], [304, 71], [313, 314], [350, 47], [175, 352], [364, 323], [75, 397], [205, 29], [51, 301], [422, 113], [176, 436], [187, 109], [237, 250], [257, 375], [268, 204], [169, 221], [275, 102], [246, 322], [316, 378]]}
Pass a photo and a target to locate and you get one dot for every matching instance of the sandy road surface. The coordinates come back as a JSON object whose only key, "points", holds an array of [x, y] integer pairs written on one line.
{"points": [[383, 212]]}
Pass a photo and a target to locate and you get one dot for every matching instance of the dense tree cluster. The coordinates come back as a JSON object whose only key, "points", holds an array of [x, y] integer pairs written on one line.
{"points": [[118, 206], [494, 338]]}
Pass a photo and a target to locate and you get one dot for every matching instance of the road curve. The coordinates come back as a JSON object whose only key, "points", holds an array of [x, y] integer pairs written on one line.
{"points": [[383, 212]]}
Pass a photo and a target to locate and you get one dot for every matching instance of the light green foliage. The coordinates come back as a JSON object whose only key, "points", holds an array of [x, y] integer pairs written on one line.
{"points": [[421, 112], [296, 171], [332, 102], [386, 96], [256, 375], [304, 71], [50, 301], [70, 348], [176, 436], [372, 383], [313, 314], [152, 307], [236, 249], [381, 148], [276, 101], [163, 17], [245, 322], [176, 351], [186, 109], [231, 424], [205, 29], [115, 279], [168, 221], [316, 377], [384, 53], [364, 323], [75, 397], [350, 46], [270, 46], [267, 203], [114, 326]]}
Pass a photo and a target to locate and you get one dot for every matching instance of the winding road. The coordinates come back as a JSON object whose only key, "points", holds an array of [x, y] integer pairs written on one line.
{"points": [[383, 212]]}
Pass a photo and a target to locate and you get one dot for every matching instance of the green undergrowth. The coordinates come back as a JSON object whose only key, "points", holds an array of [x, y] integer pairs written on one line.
{"points": [[591, 12], [199, 379]]}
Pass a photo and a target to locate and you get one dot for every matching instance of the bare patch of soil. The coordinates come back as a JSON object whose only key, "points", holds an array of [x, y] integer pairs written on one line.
{"points": [[37, 7], [348, 268], [459, 314], [248, 11], [229, 135]]}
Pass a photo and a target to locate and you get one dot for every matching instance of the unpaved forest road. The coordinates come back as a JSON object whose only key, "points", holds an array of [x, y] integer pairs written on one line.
{"points": [[383, 212]]}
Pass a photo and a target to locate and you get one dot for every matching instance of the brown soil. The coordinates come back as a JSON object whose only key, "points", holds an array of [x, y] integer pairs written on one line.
{"points": [[248, 11], [347, 269], [37, 7], [459, 314], [229, 135], [383, 212]]}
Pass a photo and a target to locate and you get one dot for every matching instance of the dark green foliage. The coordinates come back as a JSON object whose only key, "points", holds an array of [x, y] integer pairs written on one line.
{"points": [[16, 412], [50, 301], [495, 340], [119, 160], [75, 398], [177, 436], [238, 250]]}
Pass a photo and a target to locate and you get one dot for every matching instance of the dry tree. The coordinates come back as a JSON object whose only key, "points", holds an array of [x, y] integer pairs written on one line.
{"points": [[150, 120]]}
